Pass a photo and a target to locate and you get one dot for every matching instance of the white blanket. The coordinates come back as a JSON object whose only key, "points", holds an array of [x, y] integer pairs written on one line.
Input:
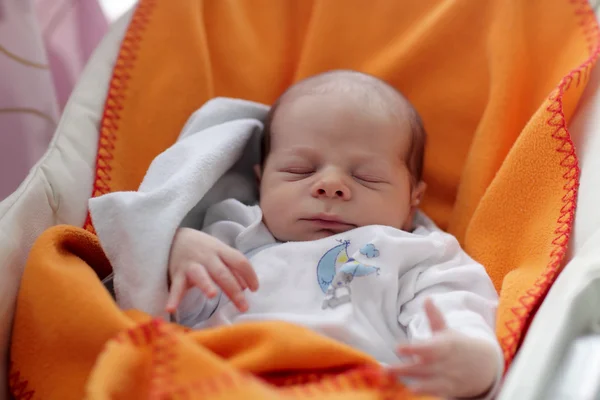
{"points": [[211, 161]]}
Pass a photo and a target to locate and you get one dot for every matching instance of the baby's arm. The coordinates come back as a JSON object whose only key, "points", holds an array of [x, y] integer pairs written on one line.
{"points": [[207, 260], [202, 261], [453, 350], [451, 363]]}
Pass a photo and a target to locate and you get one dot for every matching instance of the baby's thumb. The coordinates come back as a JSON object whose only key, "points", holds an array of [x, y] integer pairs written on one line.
{"points": [[435, 317]]}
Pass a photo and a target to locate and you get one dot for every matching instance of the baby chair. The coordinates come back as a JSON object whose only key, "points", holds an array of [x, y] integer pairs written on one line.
{"points": [[98, 146]]}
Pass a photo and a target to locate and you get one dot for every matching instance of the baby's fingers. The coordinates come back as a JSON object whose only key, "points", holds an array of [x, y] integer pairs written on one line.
{"points": [[435, 386], [225, 279], [178, 286], [413, 370], [198, 277], [241, 267], [435, 316], [240, 280], [430, 350]]}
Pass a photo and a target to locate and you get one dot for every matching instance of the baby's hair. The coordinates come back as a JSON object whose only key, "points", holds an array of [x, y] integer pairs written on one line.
{"points": [[379, 94]]}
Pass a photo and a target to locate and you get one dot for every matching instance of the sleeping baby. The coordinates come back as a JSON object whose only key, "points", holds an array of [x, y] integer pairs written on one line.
{"points": [[337, 243]]}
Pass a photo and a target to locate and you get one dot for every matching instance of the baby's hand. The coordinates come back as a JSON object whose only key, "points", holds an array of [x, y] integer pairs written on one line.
{"points": [[200, 260], [450, 364]]}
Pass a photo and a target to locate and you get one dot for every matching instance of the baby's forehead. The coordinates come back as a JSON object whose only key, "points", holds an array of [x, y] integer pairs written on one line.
{"points": [[352, 88], [379, 114], [363, 127], [356, 95]]}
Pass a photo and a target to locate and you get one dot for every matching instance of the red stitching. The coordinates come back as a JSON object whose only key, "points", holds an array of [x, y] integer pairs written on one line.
{"points": [[354, 384], [291, 378], [164, 355], [113, 105], [160, 337], [147, 332], [337, 385], [530, 302], [132, 334], [359, 378], [17, 385]]}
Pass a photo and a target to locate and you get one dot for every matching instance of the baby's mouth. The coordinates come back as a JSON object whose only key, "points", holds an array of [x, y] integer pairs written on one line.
{"points": [[329, 222]]}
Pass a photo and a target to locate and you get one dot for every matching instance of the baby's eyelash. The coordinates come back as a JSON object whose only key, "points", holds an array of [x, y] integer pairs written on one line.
{"points": [[299, 171], [368, 179]]}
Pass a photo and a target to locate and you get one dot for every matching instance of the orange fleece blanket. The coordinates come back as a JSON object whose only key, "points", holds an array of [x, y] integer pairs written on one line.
{"points": [[496, 83], [71, 342]]}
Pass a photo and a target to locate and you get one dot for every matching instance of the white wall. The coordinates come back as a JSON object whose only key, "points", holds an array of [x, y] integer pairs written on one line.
{"points": [[115, 8]]}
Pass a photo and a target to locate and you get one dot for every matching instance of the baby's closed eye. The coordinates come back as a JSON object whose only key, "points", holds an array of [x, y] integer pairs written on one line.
{"points": [[370, 178], [299, 170]]}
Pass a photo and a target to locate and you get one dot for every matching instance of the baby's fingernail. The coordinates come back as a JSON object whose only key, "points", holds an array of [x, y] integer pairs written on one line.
{"points": [[242, 305]]}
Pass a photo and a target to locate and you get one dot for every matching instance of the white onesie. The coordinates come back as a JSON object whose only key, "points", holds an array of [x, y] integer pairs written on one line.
{"points": [[363, 287]]}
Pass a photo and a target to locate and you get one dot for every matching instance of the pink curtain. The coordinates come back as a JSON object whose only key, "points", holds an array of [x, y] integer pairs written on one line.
{"points": [[44, 45]]}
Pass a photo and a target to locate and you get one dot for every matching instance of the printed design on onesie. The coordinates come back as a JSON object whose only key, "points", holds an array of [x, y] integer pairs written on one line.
{"points": [[336, 270]]}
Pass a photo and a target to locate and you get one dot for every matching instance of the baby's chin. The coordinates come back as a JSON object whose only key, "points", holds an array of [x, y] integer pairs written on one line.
{"points": [[325, 233], [308, 236], [305, 236]]}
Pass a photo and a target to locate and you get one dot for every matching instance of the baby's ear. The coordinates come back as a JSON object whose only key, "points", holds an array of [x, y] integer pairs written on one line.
{"points": [[258, 172], [417, 194]]}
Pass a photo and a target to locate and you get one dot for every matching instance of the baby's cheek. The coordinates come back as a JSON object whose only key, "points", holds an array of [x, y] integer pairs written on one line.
{"points": [[279, 199], [276, 206], [388, 211]]}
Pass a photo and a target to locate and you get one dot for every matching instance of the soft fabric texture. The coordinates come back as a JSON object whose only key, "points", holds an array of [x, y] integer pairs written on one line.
{"points": [[566, 308], [88, 349], [136, 229], [495, 82], [215, 154], [364, 287], [45, 45], [56, 191]]}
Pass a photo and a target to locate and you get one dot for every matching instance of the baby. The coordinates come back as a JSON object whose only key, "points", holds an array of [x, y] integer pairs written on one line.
{"points": [[337, 244]]}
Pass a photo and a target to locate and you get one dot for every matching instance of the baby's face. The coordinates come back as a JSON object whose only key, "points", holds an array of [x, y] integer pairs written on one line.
{"points": [[334, 166]]}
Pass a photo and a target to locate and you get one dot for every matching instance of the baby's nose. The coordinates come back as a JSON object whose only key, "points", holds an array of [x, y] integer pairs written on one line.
{"points": [[332, 187]]}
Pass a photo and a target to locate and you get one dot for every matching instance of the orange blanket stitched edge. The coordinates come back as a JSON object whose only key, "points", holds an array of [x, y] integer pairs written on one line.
{"points": [[495, 82], [75, 343]]}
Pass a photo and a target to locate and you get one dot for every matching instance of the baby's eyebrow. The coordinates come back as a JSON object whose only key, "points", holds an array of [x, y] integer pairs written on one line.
{"points": [[301, 151], [373, 168], [369, 160]]}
